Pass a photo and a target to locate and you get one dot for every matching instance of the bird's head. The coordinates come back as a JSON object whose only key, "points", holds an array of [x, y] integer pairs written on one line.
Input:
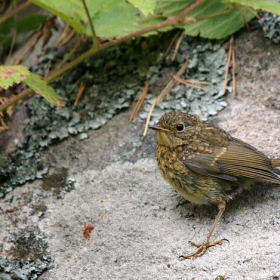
{"points": [[176, 128]]}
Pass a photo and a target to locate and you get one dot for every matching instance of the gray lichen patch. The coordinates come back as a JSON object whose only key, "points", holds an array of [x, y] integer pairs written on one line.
{"points": [[28, 257], [271, 26], [20, 167], [113, 80], [207, 63]]}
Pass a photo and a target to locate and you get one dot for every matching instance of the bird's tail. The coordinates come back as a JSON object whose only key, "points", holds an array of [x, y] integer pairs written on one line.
{"points": [[275, 163]]}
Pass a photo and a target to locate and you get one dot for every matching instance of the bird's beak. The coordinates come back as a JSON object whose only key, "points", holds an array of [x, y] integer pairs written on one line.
{"points": [[160, 129]]}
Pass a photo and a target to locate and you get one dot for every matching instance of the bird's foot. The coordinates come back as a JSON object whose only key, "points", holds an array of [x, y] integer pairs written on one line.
{"points": [[202, 248]]}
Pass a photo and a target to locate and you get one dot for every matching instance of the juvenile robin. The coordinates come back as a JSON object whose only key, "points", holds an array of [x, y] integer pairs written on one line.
{"points": [[208, 166]]}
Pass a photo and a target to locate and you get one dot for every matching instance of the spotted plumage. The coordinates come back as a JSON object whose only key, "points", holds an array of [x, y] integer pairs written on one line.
{"points": [[206, 165]]}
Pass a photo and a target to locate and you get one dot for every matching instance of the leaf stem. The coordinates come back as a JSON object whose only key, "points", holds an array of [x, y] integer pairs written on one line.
{"points": [[94, 37], [14, 11], [55, 74]]}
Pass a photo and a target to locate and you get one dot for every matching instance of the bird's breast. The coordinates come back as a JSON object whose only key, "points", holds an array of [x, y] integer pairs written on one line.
{"points": [[192, 186]]}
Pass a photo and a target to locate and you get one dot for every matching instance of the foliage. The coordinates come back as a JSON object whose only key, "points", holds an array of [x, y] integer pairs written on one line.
{"points": [[25, 24], [114, 21], [17, 74], [215, 19]]}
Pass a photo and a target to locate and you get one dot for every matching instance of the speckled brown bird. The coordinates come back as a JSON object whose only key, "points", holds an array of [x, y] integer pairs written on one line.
{"points": [[208, 166]]}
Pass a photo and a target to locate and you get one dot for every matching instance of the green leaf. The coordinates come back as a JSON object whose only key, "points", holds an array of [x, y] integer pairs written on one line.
{"points": [[227, 20], [71, 11], [39, 86], [215, 20], [119, 18], [12, 74], [31, 22], [269, 6], [116, 18], [170, 8], [145, 6], [5, 41], [127, 14], [111, 18], [18, 74], [7, 26]]}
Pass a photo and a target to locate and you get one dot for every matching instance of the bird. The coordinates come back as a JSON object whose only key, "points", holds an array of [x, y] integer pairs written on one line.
{"points": [[206, 165]]}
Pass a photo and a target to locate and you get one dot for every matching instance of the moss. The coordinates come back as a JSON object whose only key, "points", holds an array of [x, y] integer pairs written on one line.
{"points": [[58, 182], [28, 258], [29, 245]]}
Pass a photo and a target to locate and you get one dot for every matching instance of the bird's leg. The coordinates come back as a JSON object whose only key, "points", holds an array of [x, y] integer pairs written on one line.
{"points": [[203, 247]]}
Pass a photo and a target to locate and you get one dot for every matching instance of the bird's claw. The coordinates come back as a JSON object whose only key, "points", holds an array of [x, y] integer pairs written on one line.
{"points": [[202, 248]]}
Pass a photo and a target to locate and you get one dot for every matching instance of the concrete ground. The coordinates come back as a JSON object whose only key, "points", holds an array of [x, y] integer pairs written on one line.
{"points": [[141, 224]]}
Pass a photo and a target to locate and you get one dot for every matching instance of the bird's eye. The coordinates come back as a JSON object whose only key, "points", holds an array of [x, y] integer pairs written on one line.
{"points": [[179, 127]]}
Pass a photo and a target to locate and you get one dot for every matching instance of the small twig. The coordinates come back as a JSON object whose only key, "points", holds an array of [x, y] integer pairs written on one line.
{"points": [[243, 17], [32, 42], [172, 83], [170, 46], [187, 20], [80, 92], [13, 37], [58, 72], [177, 46], [185, 82], [149, 117], [233, 68], [14, 11], [3, 6], [94, 37], [48, 70], [68, 56], [164, 93], [166, 90], [3, 126], [217, 14], [253, 12], [227, 66], [66, 35], [139, 102], [198, 82]]}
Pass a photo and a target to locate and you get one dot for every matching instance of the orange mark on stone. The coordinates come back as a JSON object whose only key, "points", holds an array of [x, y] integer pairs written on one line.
{"points": [[87, 230]]}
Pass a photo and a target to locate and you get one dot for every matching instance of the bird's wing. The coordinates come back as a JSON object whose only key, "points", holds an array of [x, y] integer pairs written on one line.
{"points": [[236, 160]]}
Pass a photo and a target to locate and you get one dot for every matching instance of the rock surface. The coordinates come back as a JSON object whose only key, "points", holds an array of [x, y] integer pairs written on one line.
{"points": [[141, 225]]}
